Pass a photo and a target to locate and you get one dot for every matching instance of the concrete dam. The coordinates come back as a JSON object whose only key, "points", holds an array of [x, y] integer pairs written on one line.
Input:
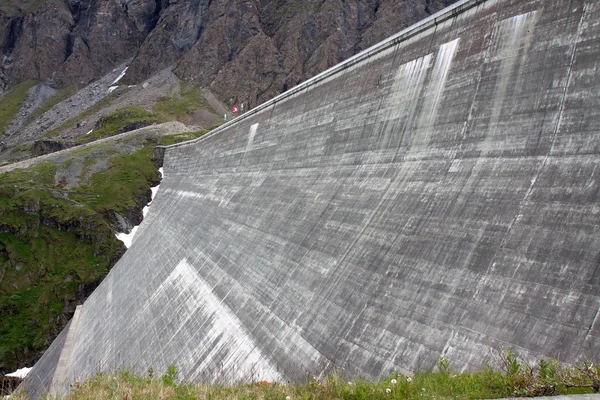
{"points": [[435, 195]]}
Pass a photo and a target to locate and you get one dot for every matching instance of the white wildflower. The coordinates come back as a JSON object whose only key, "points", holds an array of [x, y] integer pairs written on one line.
{"points": [[393, 381], [409, 379], [388, 390]]}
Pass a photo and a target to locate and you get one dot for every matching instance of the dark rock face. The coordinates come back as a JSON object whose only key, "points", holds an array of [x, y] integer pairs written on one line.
{"points": [[8, 384], [37, 43], [41, 147], [176, 31], [244, 51], [66, 42], [252, 53], [103, 38]]}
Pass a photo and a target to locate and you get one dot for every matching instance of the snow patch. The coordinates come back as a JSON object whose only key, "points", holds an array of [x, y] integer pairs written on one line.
{"points": [[20, 373], [127, 238], [119, 77], [153, 190], [112, 89], [91, 130]]}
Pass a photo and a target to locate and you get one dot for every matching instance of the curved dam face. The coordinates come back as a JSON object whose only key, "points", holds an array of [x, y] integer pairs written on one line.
{"points": [[437, 195]]}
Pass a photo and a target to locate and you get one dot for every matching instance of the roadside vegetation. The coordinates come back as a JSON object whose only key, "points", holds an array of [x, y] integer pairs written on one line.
{"points": [[504, 377], [183, 137]]}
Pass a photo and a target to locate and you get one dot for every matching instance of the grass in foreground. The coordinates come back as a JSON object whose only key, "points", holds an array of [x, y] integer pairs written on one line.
{"points": [[509, 379]]}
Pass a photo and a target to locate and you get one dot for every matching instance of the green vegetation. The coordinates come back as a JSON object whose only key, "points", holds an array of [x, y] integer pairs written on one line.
{"points": [[11, 103], [122, 120], [57, 244], [547, 378], [182, 107]]}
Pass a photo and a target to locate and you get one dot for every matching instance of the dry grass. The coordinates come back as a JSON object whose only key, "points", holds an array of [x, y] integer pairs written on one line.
{"points": [[510, 379]]}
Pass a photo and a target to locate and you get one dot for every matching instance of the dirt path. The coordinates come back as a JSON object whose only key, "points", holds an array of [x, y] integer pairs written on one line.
{"points": [[167, 128]]}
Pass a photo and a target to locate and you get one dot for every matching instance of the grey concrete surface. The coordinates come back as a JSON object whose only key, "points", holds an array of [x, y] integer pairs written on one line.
{"points": [[435, 196]]}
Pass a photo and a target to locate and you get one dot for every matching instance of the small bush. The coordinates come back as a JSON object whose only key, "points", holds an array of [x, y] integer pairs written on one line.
{"points": [[170, 376]]}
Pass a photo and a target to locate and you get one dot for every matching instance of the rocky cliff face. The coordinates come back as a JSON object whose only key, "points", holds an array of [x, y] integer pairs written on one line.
{"points": [[244, 50], [65, 42]]}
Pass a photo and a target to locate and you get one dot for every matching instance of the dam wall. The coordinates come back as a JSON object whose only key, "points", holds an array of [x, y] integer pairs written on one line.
{"points": [[437, 195]]}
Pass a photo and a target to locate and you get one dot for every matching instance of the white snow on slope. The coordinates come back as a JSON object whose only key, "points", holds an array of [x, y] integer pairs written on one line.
{"points": [[127, 238], [20, 373], [119, 77]]}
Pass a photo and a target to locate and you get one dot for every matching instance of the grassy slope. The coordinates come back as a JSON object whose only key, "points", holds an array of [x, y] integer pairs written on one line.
{"points": [[182, 107], [122, 120], [168, 108], [55, 245], [11, 103], [180, 137]]}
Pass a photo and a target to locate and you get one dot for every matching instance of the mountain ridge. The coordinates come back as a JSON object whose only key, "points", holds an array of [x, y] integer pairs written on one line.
{"points": [[213, 43]]}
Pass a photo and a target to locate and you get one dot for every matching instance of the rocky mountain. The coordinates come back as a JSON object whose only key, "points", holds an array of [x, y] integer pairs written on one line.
{"points": [[243, 50]]}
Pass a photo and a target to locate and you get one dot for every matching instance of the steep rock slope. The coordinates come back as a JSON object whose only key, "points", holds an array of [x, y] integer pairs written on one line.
{"points": [[244, 50], [66, 42], [251, 51]]}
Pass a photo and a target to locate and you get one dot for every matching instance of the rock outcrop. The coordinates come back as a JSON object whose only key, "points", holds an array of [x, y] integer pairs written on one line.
{"points": [[244, 51]]}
